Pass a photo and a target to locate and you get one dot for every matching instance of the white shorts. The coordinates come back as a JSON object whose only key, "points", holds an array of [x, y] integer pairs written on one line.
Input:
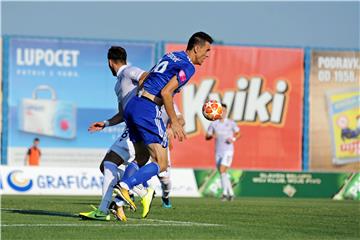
{"points": [[124, 148], [224, 159]]}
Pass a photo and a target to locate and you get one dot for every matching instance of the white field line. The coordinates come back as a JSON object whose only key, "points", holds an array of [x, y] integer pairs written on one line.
{"points": [[156, 222], [104, 225]]}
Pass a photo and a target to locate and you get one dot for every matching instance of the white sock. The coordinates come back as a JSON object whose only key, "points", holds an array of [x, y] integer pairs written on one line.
{"points": [[140, 190], [119, 202], [229, 186], [165, 181], [124, 185], [224, 185], [111, 174]]}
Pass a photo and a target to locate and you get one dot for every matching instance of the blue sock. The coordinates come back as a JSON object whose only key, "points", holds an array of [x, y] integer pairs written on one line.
{"points": [[130, 170], [145, 184], [143, 174]]}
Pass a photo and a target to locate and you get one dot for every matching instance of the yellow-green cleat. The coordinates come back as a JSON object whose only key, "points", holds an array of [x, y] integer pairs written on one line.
{"points": [[146, 202], [96, 214]]}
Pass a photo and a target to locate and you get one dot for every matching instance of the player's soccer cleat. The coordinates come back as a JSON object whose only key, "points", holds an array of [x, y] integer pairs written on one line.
{"points": [[96, 214], [166, 202], [224, 198], [121, 202], [118, 212], [124, 193], [146, 202], [230, 198]]}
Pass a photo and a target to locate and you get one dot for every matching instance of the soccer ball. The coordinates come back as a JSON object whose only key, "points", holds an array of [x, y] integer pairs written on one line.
{"points": [[212, 110]]}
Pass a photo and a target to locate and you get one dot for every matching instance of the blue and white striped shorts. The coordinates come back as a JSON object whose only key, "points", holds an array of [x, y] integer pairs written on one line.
{"points": [[143, 118]]}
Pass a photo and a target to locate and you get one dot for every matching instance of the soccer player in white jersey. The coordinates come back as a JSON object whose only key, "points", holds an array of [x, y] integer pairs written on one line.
{"points": [[121, 152], [226, 132]]}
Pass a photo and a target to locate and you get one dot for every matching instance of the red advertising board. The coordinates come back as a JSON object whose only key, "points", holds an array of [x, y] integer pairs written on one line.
{"points": [[263, 89]]}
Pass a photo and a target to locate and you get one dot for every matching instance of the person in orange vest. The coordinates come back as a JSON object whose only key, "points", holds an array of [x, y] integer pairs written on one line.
{"points": [[33, 154]]}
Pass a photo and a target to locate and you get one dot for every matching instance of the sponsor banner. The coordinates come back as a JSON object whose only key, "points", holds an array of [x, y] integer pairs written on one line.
{"points": [[282, 184], [51, 181], [1, 92], [80, 181], [263, 89], [335, 110], [58, 87]]}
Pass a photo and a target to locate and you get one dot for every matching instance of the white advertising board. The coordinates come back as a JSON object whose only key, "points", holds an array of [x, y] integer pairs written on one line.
{"points": [[80, 181]]}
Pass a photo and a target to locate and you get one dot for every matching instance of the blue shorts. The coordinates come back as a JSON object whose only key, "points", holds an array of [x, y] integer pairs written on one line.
{"points": [[143, 118]]}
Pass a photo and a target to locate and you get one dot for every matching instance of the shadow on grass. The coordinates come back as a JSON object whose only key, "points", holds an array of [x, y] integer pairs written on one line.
{"points": [[41, 212], [86, 203]]}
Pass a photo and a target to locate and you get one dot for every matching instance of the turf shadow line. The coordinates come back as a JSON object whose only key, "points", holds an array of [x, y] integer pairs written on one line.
{"points": [[41, 212]]}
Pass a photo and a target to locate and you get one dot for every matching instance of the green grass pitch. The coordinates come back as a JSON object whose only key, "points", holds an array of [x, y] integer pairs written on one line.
{"points": [[54, 217]]}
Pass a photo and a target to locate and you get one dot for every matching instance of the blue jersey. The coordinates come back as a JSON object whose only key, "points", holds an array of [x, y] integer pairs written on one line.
{"points": [[171, 64]]}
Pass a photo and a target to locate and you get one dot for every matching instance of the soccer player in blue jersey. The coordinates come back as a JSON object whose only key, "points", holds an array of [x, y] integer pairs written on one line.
{"points": [[143, 114]]}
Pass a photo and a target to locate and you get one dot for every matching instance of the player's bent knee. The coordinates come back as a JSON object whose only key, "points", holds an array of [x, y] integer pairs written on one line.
{"points": [[142, 158], [163, 166], [101, 167], [111, 156], [142, 154]]}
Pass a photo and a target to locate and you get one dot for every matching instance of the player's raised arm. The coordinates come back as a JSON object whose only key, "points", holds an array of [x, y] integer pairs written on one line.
{"points": [[116, 119], [167, 96]]}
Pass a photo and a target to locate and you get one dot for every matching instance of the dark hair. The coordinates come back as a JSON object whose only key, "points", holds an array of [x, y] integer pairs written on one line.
{"points": [[117, 53], [198, 38], [224, 105], [36, 139]]}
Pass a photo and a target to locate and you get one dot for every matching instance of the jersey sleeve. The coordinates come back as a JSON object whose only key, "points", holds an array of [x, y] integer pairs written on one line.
{"points": [[186, 71], [235, 127], [134, 73]]}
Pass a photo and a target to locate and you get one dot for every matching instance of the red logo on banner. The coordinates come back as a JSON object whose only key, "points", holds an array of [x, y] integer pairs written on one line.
{"points": [[263, 90]]}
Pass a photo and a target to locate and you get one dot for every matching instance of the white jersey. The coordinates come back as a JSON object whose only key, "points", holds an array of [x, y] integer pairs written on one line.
{"points": [[223, 131], [127, 83], [125, 88], [123, 147]]}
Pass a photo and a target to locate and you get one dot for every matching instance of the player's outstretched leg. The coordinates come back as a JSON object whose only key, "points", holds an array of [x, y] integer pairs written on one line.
{"points": [[142, 175], [158, 153], [111, 176], [145, 193], [130, 170]]}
